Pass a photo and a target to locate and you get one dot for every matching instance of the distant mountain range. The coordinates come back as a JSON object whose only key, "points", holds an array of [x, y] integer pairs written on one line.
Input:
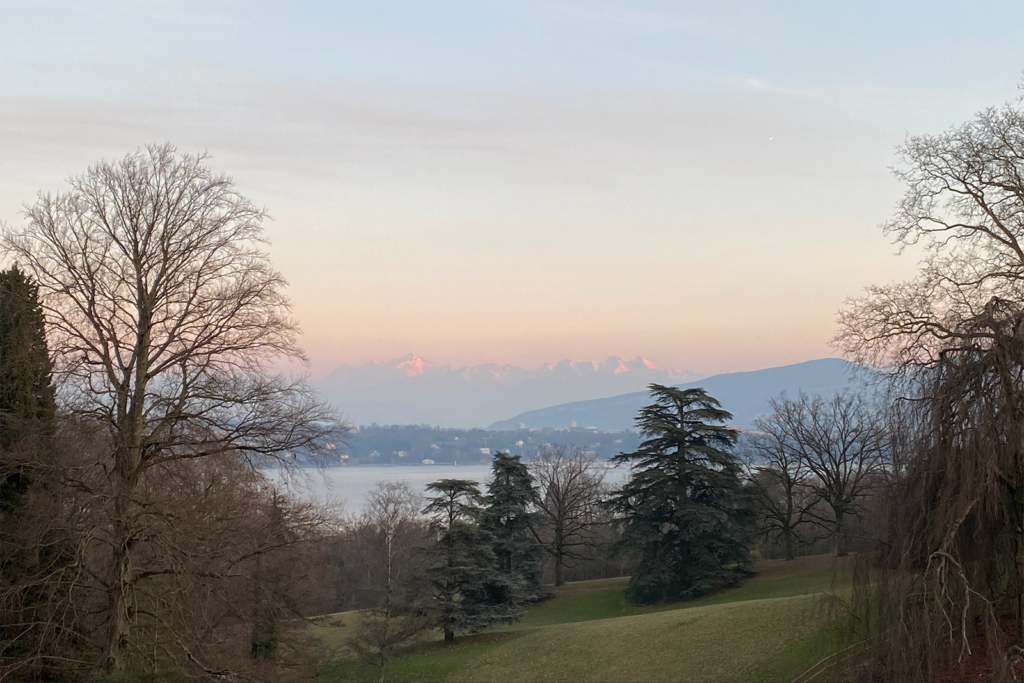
{"points": [[411, 390], [744, 394]]}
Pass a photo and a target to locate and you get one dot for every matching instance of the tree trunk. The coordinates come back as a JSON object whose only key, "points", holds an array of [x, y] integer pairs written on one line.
{"points": [[120, 607], [127, 458], [788, 528], [388, 604], [449, 635], [559, 544], [1020, 562], [840, 535], [1020, 588]]}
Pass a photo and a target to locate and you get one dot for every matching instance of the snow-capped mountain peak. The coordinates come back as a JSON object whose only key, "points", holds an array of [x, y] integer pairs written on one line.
{"points": [[411, 365], [411, 389]]}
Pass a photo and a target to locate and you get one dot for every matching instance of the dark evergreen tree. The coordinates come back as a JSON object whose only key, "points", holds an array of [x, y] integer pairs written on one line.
{"points": [[684, 508], [510, 518], [38, 566], [461, 560], [27, 404]]}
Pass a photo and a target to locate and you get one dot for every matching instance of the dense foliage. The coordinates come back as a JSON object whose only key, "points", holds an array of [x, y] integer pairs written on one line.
{"points": [[36, 554], [510, 517], [27, 403], [461, 561], [684, 507]]}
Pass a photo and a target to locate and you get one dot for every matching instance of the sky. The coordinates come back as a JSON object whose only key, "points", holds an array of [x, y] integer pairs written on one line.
{"points": [[520, 182]]}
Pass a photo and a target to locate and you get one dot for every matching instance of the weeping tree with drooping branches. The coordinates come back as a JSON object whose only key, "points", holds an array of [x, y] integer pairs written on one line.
{"points": [[951, 571]]}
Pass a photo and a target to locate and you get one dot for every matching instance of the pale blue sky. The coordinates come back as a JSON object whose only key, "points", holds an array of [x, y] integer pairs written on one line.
{"points": [[698, 183]]}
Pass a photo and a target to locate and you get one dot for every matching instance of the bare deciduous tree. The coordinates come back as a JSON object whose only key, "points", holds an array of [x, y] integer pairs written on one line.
{"points": [[164, 315], [965, 205], [954, 333], [393, 529], [841, 444], [226, 571], [779, 478], [571, 488], [44, 629]]}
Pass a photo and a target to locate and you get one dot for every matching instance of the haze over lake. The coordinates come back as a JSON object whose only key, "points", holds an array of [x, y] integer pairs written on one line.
{"points": [[347, 486]]}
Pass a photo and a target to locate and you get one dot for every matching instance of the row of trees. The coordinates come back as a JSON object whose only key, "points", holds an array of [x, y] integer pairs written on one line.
{"points": [[816, 466], [686, 518], [701, 494], [463, 560]]}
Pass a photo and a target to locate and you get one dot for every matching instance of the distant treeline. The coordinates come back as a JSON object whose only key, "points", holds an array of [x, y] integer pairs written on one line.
{"points": [[412, 444]]}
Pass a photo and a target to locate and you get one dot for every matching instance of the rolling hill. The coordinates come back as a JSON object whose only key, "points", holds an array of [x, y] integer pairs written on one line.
{"points": [[744, 394], [768, 629]]}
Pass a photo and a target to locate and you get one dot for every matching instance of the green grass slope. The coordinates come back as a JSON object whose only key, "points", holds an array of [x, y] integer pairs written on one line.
{"points": [[713, 643], [765, 630]]}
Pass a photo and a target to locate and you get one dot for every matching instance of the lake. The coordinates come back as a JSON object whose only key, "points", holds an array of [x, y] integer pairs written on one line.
{"points": [[346, 487]]}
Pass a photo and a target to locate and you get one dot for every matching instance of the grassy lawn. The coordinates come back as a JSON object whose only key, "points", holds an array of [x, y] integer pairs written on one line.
{"points": [[764, 630], [713, 643], [436, 661], [334, 631], [604, 599]]}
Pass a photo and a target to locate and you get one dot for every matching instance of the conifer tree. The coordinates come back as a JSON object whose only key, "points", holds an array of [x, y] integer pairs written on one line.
{"points": [[461, 561], [684, 508], [510, 519], [38, 568], [27, 404]]}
